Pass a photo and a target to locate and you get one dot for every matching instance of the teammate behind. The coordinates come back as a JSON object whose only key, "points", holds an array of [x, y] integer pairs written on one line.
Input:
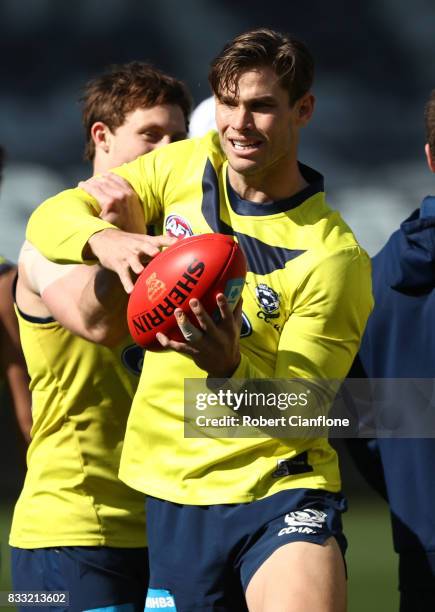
{"points": [[76, 526], [12, 366], [257, 520], [398, 343]]}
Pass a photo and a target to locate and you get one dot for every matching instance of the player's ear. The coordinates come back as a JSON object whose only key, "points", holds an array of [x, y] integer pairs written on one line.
{"points": [[429, 157], [304, 108], [100, 134]]}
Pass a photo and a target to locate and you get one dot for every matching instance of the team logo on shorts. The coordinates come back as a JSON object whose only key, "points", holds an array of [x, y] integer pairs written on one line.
{"points": [[267, 298], [155, 287], [306, 521], [311, 518], [178, 227], [132, 358]]}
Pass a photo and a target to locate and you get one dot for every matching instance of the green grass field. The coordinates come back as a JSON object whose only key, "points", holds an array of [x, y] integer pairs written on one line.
{"points": [[370, 559], [4, 551], [5, 517], [371, 562]]}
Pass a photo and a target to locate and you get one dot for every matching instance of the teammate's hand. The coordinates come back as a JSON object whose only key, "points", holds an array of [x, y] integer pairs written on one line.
{"points": [[216, 347], [125, 253], [119, 202]]}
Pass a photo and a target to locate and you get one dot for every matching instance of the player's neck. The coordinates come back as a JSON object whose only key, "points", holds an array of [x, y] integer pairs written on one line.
{"points": [[102, 164], [269, 185]]}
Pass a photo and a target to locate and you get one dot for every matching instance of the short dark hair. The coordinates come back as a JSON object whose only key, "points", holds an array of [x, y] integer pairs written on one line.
{"points": [[122, 89], [290, 59], [429, 119]]}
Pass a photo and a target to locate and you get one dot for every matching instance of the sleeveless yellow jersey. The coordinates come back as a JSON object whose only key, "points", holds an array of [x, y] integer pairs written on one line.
{"points": [[81, 395], [305, 268]]}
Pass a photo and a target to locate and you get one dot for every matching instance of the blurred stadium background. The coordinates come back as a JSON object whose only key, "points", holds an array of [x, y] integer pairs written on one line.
{"points": [[374, 72]]}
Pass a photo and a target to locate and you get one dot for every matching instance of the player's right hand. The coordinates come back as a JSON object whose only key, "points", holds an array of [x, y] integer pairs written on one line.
{"points": [[214, 347], [125, 253], [119, 203]]}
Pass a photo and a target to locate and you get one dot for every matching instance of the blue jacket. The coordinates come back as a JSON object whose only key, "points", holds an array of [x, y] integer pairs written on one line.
{"points": [[399, 341]]}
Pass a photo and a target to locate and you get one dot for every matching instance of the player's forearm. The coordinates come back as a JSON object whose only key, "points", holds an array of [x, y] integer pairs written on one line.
{"points": [[248, 370], [258, 392], [61, 227], [103, 307]]}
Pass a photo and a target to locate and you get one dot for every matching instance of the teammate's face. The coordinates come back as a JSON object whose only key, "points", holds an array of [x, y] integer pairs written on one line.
{"points": [[143, 130], [257, 126]]}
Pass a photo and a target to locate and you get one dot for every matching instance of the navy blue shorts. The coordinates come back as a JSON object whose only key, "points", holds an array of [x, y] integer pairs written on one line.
{"points": [[96, 577], [203, 557]]}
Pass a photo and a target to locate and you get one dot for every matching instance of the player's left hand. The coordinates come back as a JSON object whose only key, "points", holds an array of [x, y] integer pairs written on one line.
{"points": [[214, 347]]}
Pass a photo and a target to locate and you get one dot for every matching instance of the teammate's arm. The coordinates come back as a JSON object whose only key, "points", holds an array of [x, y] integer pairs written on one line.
{"points": [[79, 236], [63, 225], [90, 301], [100, 318], [11, 357], [52, 291]]}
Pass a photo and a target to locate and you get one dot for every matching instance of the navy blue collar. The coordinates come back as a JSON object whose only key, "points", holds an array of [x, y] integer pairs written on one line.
{"points": [[248, 208]]}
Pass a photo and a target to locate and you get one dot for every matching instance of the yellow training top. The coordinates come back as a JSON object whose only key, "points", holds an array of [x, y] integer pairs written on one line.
{"points": [[306, 302], [81, 395]]}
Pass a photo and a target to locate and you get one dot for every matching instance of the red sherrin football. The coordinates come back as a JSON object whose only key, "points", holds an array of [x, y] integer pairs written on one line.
{"points": [[196, 267]]}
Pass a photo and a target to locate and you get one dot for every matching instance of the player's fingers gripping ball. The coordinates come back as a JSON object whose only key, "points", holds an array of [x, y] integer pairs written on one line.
{"points": [[196, 267]]}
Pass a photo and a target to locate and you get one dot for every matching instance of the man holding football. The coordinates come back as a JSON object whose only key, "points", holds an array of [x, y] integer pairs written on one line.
{"points": [[258, 520]]}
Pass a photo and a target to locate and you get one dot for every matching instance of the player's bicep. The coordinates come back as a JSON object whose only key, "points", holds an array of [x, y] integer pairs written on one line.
{"points": [[74, 302], [49, 289], [62, 298], [323, 333], [308, 349], [59, 286]]}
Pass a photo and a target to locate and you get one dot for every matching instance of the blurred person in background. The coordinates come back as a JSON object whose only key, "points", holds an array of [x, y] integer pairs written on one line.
{"points": [[76, 526], [13, 368], [399, 343], [203, 118]]}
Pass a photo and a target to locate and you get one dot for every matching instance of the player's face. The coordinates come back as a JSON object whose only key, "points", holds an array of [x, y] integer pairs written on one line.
{"points": [[257, 126], [145, 129]]}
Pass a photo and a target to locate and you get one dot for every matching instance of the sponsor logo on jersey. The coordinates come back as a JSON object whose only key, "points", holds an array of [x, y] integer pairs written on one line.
{"points": [[132, 358], [155, 287], [178, 227], [159, 599], [303, 521]]}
